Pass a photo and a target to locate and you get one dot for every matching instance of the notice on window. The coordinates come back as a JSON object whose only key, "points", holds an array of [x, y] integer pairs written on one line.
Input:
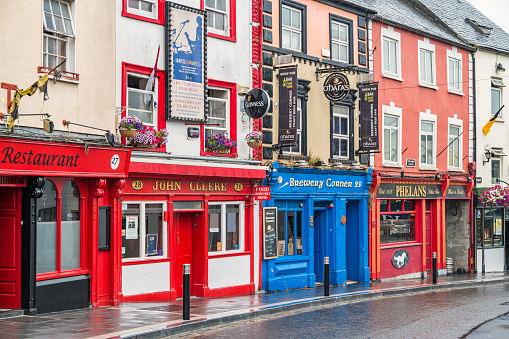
{"points": [[214, 223], [231, 222], [131, 227], [498, 226], [151, 244]]}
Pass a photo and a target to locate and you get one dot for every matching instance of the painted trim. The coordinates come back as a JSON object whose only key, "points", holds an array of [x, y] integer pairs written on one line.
{"points": [[157, 296], [158, 17], [231, 253], [232, 15], [143, 261], [56, 275], [230, 290]]}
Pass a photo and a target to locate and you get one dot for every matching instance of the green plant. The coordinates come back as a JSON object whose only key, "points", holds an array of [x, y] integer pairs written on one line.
{"points": [[313, 158]]}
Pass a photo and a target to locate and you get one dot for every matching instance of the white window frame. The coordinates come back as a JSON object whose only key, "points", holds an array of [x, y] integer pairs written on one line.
{"points": [[142, 231], [226, 14], [212, 120], [392, 36], [429, 118], [493, 160], [426, 46], [498, 88], [140, 12], [153, 93], [339, 135], [458, 123], [396, 112], [453, 55], [292, 29], [299, 130], [223, 226], [340, 43]]}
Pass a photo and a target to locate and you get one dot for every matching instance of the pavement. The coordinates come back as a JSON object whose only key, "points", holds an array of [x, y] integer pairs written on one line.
{"points": [[160, 319]]}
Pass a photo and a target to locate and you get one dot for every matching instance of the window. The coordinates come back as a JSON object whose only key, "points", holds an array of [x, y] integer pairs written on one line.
{"points": [[340, 49], [298, 148], [340, 131], [217, 15], [289, 225], [391, 53], [427, 74], [143, 230], [454, 147], [493, 227], [292, 32], [140, 101], [144, 8], [226, 227], [454, 75], [397, 221], [427, 141], [496, 96], [495, 170], [218, 112], [58, 231], [391, 139], [58, 37]]}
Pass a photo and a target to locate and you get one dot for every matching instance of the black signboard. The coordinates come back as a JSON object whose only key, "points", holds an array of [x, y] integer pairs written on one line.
{"points": [[409, 191], [336, 87], [269, 232], [368, 96], [288, 106], [257, 103], [456, 192], [410, 162], [478, 227]]}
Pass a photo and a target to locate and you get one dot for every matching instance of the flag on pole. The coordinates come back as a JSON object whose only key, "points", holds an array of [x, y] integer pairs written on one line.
{"points": [[151, 79], [487, 127], [40, 84]]}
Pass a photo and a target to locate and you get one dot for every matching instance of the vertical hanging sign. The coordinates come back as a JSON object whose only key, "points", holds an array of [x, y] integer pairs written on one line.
{"points": [[288, 106], [368, 96], [186, 29]]}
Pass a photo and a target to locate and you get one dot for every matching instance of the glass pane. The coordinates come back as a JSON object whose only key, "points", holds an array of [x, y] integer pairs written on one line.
{"points": [[286, 16], [390, 121], [47, 6], [49, 21], [61, 48], [335, 128], [396, 205], [409, 205], [217, 109], [215, 228], [454, 131], [495, 100], [335, 51], [146, 6], [232, 227], [422, 56], [386, 55], [285, 39], [387, 144], [296, 19], [429, 150], [423, 149], [217, 93], [495, 171], [334, 31], [210, 19], [134, 4], [384, 205], [343, 33], [343, 53], [210, 3], [344, 126], [65, 10], [52, 61], [70, 230], [335, 147], [397, 228], [451, 73], [220, 21], [131, 231], [137, 100], [52, 46], [296, 41], [394, 146], [55, 6], [281, 233], [344, 147], [47, 230], [291, 232], [429, 67], [299, 232], [221, 5], [187, 205], [394, 57], [427, 127], [154, 229]]}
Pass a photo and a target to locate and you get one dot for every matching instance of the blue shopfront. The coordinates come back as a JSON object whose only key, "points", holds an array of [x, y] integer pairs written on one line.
{"points": [[320, 213]]}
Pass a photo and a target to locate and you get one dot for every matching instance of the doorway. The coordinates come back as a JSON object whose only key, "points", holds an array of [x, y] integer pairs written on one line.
{"points": [[353, 263], [187, 229], [10, 248], [319, 243]]}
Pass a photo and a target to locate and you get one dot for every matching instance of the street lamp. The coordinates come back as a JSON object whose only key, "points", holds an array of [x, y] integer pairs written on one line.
{"points": [[488, 157]]}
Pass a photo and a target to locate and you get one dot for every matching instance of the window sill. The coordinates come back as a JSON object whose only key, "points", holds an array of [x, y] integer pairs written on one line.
{"points": [[426, 168], [392, 76], [227, 155], [215, 255], [399, 244], [222, 37], [66, 76], [135, 261], [449, 169], [385, 164], [428, 85], [499, 119], [453, 91], [56, 275]]}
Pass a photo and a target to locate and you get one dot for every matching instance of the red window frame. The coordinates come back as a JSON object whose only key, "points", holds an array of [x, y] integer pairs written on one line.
{"points": [[161, 109], [403, 211], [59, 184], [158, 20], [232, 87], [233, 22]]}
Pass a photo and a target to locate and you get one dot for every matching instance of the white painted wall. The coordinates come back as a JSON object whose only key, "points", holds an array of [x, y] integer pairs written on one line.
{"points": [[146, 278], [493, 260], [257, 254], [229, 271]]}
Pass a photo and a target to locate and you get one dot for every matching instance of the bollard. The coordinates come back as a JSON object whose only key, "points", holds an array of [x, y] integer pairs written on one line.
{"points": [[435, 271], [186, 291], [326, 276]]}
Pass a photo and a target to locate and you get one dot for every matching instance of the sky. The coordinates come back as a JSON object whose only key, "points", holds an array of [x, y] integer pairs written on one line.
{"points": [[496, 10]]}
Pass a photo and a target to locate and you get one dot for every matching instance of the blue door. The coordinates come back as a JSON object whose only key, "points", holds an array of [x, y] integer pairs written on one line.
{"points": [[319, 245]]}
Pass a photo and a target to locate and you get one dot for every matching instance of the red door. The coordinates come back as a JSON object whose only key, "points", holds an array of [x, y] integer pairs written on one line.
{"points": [[10, 248], [183, 224], [428, 242]]}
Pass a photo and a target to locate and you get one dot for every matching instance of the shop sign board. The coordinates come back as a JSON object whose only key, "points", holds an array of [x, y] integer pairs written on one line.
{"points": [[155, 185], [319, 183], [257, 103], [270, 243], [186, 32], [262, 193], [24, 157], [456, 192], [410, 162], [336, 87], [288, 106], [368, 105], [409, 191]]}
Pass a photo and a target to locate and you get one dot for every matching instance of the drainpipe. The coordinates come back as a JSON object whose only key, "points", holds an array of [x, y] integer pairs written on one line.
{"points": [[474, 220]]}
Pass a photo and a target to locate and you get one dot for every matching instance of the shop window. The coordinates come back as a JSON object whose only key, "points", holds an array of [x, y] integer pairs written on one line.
{"points": [[58, 231], [496, 95], [341, 39], [340, 131], [493, 233], [293, 26], [143, 230], [397, 221], [426, 62], [58, 37], [391, 53], [226, 227], [289, 225]]}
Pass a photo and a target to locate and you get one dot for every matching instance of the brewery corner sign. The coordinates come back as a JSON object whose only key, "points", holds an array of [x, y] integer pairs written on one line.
{"points": [[336, 87]]}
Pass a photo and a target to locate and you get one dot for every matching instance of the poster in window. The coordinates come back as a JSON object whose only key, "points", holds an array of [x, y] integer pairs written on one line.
{"points": [[368, 97], [288, 106], [214, 223], [151, 244], [186, 31], [498, 226], [231, 222], [131, 227]]}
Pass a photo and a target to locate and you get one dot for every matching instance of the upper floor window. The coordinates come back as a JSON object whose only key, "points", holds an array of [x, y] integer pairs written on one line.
{"points": [[340, 41], [454, 146], [140, 99], [427, 74], [496, 164], [427, 139], [145, 8], [217, 15], [292, 19], [340, 131], [391, 53], [454, 74], [391, 139], [59, 36], [496, 95], [217, 121]]}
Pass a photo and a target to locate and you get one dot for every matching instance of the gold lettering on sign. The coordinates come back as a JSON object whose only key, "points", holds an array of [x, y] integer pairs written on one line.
{"points": [[166, 186], [238, 187], [207, 186], [411, 191], [137, 185]]}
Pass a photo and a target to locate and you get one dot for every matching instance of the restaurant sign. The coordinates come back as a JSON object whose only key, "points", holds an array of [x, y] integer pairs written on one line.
{"points": [[409, 191]]}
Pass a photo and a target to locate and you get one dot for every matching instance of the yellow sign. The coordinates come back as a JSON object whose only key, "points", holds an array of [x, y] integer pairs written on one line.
{"points": [[137, 185], [238, 187]]}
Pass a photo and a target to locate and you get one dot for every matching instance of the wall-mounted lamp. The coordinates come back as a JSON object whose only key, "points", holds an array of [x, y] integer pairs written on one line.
{"points": [[487, 153], [500, 67], [110, 137]]}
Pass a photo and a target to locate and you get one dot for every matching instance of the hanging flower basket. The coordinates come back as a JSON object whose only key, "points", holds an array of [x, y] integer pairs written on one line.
{"points": [[254, 144], [254, 139], [128, 133]]}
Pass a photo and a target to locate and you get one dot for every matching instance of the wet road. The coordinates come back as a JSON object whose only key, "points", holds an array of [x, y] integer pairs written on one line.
{"points": [[444, 314]]}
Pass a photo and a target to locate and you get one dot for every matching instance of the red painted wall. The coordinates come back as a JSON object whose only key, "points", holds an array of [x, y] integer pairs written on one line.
{"points": [[414, 263]]}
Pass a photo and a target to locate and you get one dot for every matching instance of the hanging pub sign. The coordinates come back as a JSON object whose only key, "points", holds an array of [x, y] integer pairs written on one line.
{"points": [[336, 87], [368, 96], [257, 103], [186, 29], [288, 106]]}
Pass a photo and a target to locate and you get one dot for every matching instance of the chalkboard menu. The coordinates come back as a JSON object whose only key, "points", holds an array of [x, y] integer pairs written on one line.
{"points": [[269, 232]]}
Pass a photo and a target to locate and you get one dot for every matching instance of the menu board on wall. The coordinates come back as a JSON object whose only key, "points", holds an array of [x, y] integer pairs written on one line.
{"points": [[270, 232]]}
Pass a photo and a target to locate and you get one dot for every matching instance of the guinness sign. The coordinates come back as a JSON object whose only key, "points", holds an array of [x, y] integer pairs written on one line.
{"points": [[257, 103], [336, 87]]}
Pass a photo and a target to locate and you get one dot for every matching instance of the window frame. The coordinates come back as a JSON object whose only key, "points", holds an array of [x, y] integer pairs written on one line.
{"points": [[142, 232], [303, 18], [341, 136], [397, 113], [499, 160], [391, 35], [427, 47], [403, 211], [455, 56], [230, 34], [157, 17], [335, 19], [427, 117], [457, 123], [242, 227], [141, 91], [500, 97], [295, 211], [232, 133]]}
